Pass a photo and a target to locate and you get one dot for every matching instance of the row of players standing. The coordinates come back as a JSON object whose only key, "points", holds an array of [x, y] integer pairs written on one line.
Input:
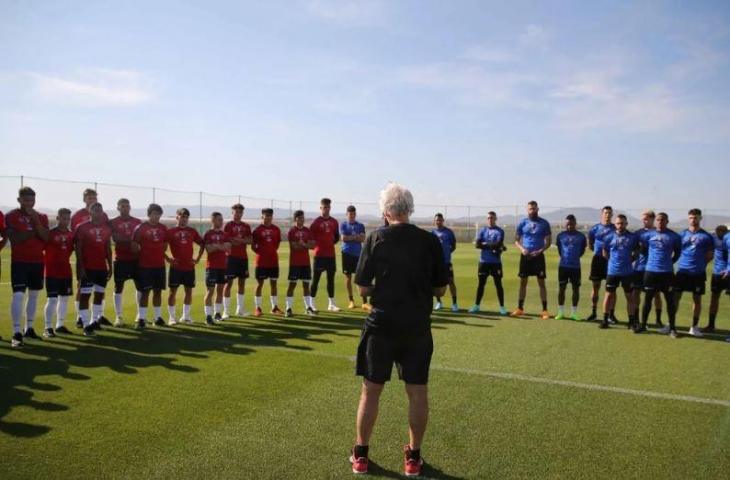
{"points": [[141, 253]]}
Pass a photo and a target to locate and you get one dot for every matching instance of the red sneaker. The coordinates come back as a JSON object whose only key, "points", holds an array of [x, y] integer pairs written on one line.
{"points": [[411, 467], [276, 311], [359, 464], [257, 312]]}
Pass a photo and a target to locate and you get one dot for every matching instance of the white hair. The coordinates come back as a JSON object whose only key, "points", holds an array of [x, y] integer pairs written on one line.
{"points": [[396, 200]]}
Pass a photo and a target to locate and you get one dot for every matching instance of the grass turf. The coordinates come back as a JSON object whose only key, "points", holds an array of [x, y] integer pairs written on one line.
{"points": [[274, 397]]}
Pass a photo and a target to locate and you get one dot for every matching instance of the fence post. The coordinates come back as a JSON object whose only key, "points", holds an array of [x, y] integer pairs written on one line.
{"points": [[468, 220], [96, 187], [200, 212], [21, 181], [290, 212], [239, 199], [154, 194]]}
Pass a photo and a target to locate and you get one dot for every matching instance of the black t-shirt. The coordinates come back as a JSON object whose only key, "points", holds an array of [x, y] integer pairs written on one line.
{"points": [[405, 263]]}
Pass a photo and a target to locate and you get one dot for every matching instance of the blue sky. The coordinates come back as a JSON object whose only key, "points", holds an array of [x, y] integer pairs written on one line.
{"points": [[480, 103]]}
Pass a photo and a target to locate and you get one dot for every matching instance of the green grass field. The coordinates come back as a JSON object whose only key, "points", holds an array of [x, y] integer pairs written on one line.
{"points": [[276, 398]]}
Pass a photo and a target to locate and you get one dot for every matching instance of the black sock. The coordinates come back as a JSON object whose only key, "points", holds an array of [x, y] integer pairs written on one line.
{"points": [[544, 305], [521, 303], [712, 319], [594, 309], [453, 300], [610, 314], [605, 316], [414, 454], [351, 298], [361, 451], [438, 299], [695, 321], [658, 316], [364, 300]]}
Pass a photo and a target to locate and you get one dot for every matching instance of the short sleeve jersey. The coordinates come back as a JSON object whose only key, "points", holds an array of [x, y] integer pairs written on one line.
{"points": [[325, 232], [533, 233], [94, 240], [215, 260], [59, 247], [31, 249], [266, 240], [238, 230], [124, 228], [490, 235], [152, 240], [299, 257], [182, 241]]}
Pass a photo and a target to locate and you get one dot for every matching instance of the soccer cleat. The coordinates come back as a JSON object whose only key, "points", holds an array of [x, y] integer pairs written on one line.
{"points": [[560, 316], [359, 464], [666, 329], [217, 317], [333, 308], [314, 310], [288, 313], [276, 310], [438, 306], [30, 333], [576, 317], [411, 466], [517, 313], [104, 321], [709, 329], [659, 324], [79, 323], [455, 308], [258, 312], [160, 322], [502, 310], [17, 340], [209, 320], [187, 320], [545, 315], [172, 322], [603, 324], [49, 333], [727, 339], [367, 307], [242, 313], [310, 311], [612, 320], [351, 305], [592, 317], [673, 334], [696, 332], [89, 331], [639, 328], [474, 309], [63, 329], [225, 316], [119, 323], [141, 324], [96, 326]]}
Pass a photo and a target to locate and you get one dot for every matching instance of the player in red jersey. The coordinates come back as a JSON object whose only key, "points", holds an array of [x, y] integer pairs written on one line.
{"points": [[266, 240], [239, 234], [59, 284], [125, 260], [326, 232], [28, 231], [150, 242], [181, 240], [300, 242], [3, 235], [216, 245], [94, 254]]}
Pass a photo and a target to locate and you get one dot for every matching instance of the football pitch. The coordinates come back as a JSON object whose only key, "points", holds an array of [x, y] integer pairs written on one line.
{"points": [[275, 397]]}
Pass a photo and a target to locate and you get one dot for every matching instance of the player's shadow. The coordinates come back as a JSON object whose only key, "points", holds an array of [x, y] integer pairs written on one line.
{"points": [[428, 471], [437, 321]]}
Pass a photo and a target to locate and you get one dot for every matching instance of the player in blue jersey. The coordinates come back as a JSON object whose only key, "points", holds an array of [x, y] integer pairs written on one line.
{"points": [[599, 264], [352, 234], [697, 251], [647, 218], [662, 248], [448, 244], [720, 278], [532, 238], [490, 240], [571, 246], [621, 249]]}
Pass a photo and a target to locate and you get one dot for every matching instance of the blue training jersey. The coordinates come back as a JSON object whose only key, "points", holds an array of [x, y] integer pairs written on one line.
{"points": [[352, 247], [533, 233], [620, 248], [640, 263], [448, 242], [661, 248], [597, 234], [719, 263], [571, 246], [491, 235], [695, 246]]}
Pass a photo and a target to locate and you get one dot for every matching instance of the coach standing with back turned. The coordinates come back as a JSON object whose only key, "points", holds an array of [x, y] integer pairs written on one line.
{"points": [[401, 267]]}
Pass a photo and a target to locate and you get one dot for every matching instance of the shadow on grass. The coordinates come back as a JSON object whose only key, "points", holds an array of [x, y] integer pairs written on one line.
{"points": [[428, 471]]}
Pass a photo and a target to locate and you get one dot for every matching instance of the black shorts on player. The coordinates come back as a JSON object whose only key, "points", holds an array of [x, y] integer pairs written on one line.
{"points": [[493, 270], [150, 279], [450, 271], [718, 284], [637, 281], [599, 268], [613, 282], [569, 275], [325, 264], [659, 281], [176, 277], [303, 273], [691, 282], [262, 273], [532, 266], [411, 354], [124, 270], [59, 287], [215, 276], [26, 275], [236, 268], [349, 263], [94, 278]]}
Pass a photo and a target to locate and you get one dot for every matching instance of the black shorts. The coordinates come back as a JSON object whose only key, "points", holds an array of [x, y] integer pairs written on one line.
{"points": [[124, 270], [262, 273], [637, 280], [691, 282], [215, 276], [569, 275], [718, 284], [410, 353], [599, 268], [26, 275], [176, 277], [659, 281], [94, 278], [324, 264], [615, 281], [349, 263], [150, 279], [236, 268], [59, 286], [532, 266], [303, 273], [490, 269]]}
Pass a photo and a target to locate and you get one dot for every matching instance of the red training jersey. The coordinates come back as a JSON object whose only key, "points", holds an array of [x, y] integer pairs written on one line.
{"points": [[124, 229], [31, 250], [217, 259], [182, 240], [2, 224], [237, 230], [94, 240], [324, 232], [299, 257], [152, 240], [82, 216], [266, 240], [58, 250]]}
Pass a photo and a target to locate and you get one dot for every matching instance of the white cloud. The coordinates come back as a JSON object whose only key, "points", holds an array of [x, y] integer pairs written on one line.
{"points": [[348, 12], [94, 87], [488, 54]]}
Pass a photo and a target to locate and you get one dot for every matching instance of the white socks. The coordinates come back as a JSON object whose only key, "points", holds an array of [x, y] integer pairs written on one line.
{"points": [[308, 301], [51, 305], [62, 309], [226, 304], [218, 308], [96, 311], [560, 309], [30, 307], [274, 300], [142, 312], [118, 304], [16, 310], [257, 301], [208, 309], [158, 312], [239, 299], [84, 314], [171, 311], [289, 302], [332, 302], [186, 311], [573, 310]]}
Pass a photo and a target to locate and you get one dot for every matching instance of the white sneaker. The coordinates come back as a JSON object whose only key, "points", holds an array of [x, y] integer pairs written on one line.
{"points": [[696, 332], [172, 321], [333, 308], [119, 322], [665, 329], [225, 316], [242, 313], [186, 320]]}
